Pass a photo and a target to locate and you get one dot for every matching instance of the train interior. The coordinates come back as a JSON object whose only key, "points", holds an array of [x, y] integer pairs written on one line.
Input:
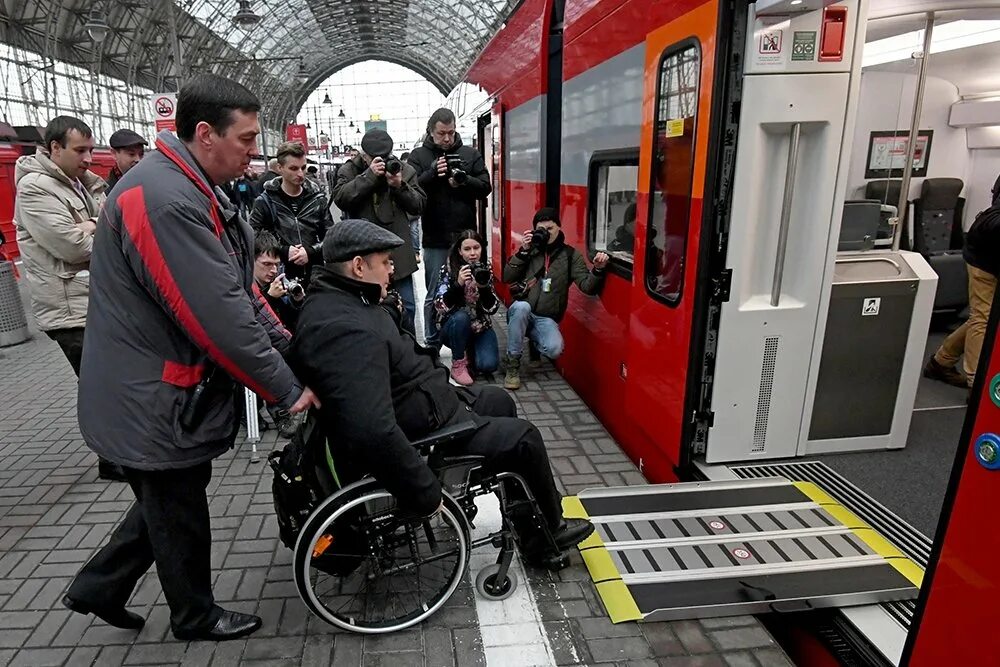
{"points": [[871, 429]]}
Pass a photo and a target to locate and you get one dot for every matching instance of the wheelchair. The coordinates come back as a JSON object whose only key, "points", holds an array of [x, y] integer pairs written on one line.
{"points": [[363, 564]]}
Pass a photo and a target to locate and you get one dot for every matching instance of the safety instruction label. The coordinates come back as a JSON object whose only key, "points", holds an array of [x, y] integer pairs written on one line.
{"points": [[675, 127], [804, 45], [871, 306]]}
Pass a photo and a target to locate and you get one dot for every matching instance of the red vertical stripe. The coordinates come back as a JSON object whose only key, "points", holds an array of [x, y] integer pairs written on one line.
{"points": [[189, 172], [132, 204]]}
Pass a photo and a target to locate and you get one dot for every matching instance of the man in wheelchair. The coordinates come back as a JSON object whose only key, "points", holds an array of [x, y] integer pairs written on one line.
{"points": [[380, 391]]}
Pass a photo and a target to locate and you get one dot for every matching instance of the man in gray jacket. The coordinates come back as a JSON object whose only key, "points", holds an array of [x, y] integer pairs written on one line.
{"points": [[55, 212], [171, 337]]}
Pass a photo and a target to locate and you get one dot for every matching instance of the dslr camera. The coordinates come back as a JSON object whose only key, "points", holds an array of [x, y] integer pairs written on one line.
{"points": [[294, 288], [392, 165], [481, 273], [539, 238], [456, 168]]}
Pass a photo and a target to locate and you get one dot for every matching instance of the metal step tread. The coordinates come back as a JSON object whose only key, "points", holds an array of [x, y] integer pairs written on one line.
{"points": [[905, 537]]}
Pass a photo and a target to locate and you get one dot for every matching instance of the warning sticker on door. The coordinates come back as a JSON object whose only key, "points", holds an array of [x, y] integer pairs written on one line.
{"points": [[871, 306], [675, 127], [804, 45], [770, 45]]}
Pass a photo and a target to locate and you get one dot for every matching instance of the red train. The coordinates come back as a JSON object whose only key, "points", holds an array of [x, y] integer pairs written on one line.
{"points": [[15, 142], [714, 118]]}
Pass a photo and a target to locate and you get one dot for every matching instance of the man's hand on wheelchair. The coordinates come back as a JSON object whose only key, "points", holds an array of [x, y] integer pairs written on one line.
{"points": [[307, 400]]}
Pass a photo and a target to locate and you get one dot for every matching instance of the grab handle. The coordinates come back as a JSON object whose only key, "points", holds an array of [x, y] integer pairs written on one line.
{"points": [[786, 212]]}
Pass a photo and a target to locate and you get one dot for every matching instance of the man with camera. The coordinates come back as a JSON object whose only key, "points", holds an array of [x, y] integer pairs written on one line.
{"points": [[295, 211], [540, 274], [376, 186], [454, 177]]}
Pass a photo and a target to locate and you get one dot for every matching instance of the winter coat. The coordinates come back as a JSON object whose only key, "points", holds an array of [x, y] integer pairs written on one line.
{"points": [[55, 250], [378, 388], [479, 301], [307, 229], [449, 211], [982, 241], [566, 266], [170, 304], [268, 317], [362, 194]]}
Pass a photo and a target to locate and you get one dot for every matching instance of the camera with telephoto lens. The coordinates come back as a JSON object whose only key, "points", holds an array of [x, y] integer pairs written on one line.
{"points": [[392, 165], [456, 168], [539, 238], [481, 273], [294, 288]]}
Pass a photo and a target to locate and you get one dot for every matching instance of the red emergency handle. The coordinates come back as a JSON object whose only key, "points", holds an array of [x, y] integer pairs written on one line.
{"points": [[831, 42]]}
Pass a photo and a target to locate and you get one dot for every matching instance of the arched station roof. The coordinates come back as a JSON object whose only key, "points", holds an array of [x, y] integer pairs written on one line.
{"points": [[294, 47]]}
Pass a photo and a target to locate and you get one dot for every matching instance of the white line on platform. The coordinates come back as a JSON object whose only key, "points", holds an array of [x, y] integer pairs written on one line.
{"points": [[941, 407], [512, 629]]}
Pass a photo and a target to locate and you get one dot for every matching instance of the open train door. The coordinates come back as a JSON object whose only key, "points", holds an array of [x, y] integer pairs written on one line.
{"points": [[671, 265], [497, 233]]}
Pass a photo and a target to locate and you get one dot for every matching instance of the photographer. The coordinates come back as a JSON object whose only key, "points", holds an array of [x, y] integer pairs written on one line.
{"points": [[465, 302], [295, 211], [454, 177], [376, 186], [540, 274]]}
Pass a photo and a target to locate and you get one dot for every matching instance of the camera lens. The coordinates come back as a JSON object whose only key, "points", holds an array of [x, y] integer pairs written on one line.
{"points": [[393, 166]]}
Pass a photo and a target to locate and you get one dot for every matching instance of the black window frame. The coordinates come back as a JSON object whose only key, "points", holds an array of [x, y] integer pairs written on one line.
{"points": [[618, 157], [668, 52]]}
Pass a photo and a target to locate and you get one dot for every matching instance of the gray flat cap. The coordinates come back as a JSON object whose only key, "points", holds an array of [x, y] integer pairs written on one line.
{"points": [[376, 142], [351, 238]]}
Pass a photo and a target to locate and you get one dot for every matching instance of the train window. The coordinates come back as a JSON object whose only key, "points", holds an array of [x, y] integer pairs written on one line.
{"points": [[612, 184], [672, 170]]}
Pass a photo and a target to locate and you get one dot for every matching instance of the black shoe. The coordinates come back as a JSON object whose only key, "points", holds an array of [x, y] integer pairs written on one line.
{"points": [[110, 471], [571, 532], [120, 618], [534, 356], [231, 625], [936, 371]]}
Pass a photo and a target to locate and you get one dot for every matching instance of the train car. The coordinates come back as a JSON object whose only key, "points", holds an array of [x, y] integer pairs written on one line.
{"points": [[787, 275]]}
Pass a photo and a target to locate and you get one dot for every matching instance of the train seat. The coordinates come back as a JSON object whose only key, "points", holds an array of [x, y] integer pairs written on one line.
{"points": [[938, 236], [859, 225]]}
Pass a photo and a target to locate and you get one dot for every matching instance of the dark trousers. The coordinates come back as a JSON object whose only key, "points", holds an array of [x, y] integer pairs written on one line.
{"points": [[71, 343], [168, 524], [512, 445]]}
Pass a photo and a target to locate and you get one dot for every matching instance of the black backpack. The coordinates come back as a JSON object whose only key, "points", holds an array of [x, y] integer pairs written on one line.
{"points": [[296, 489]]}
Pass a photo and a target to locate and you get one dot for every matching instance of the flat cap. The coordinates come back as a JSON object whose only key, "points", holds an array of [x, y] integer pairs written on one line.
{"points": [[123, 138], [352, 238], [376, 142]]}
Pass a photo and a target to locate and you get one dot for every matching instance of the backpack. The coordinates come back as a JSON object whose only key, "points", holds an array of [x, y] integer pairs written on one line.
{"points": [[296, 489]]}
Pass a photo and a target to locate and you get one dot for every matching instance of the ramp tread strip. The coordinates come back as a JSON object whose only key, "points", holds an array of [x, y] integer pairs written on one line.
{"points": [[725, 538]]}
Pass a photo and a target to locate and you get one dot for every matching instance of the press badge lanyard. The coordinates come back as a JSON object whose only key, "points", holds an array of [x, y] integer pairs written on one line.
{"points": [[546, 281]]}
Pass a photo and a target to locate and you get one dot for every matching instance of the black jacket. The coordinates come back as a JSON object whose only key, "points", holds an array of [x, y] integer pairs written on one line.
{"points": [[449, 210], [379, 389], [361, 194], [982, 241], [306, 229]]}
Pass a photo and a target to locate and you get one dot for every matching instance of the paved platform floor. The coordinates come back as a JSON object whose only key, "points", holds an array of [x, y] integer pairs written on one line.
{"points": [[55, 512]]}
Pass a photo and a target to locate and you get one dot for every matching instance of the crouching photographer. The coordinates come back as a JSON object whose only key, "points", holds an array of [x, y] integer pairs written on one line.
{"points": [[540, 274], [465, 303]]}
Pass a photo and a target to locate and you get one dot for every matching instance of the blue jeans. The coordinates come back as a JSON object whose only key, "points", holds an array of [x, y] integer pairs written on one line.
{"points": [[544, 331], [405, 288], [457, 333], [434, 259], [415, 234]]}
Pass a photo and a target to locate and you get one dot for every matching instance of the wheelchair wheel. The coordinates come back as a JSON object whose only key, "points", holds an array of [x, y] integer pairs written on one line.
{"points": [[359, 566], [491, 587]]}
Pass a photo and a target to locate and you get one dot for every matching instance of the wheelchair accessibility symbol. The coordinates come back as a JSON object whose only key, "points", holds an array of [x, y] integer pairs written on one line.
{"points": [[871, 306]]}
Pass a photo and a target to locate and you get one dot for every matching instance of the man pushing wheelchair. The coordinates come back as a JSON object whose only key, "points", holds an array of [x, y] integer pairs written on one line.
{"points": [[380, 391]]}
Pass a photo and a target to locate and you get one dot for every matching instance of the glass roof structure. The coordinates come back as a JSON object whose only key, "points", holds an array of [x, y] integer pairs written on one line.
{"points": [[287, 54]]}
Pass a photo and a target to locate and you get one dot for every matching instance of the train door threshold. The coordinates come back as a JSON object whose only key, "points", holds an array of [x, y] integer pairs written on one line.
{"points": [[720, 548]]}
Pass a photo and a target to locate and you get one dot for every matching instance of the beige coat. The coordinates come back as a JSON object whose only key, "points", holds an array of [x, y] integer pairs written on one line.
{"points": [[54, 247]]}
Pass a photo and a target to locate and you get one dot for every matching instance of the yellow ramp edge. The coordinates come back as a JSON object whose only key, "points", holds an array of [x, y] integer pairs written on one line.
{"points": [[600, 564], [618, 601], [883, 547], [573, 508]]}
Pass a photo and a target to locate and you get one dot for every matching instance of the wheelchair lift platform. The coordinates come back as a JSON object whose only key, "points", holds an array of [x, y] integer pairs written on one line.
{"points": [[719, 548]]}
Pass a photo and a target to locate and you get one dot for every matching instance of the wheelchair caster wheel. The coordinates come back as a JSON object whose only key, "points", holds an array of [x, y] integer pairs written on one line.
{"points": [[490, 588]]}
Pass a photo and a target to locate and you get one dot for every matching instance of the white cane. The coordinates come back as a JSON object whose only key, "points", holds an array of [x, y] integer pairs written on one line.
{"points": [[253, 425]]}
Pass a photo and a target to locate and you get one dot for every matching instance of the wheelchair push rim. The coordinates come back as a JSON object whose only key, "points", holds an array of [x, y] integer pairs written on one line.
{"points": [[426, 560]]}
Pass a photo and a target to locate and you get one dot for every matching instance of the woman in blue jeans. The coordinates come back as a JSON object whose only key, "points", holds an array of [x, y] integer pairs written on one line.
{"points": [[465, 303]]}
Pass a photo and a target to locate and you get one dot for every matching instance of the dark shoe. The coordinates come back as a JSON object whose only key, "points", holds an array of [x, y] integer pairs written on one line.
{"points": [[231, 625], [534, 356], [572, 531], [110, 471], [120, 618], [286, 424], [935, 371]]}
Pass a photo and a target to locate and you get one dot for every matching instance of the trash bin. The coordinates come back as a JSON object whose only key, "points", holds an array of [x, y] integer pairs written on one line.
{"points": [[13, 323]]}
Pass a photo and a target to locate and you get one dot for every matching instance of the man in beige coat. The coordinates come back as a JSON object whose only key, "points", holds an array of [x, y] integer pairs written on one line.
{"points": [[55, 214]]}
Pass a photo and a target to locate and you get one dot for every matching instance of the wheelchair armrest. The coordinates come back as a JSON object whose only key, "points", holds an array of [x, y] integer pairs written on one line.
{"points": [[443, 436]]}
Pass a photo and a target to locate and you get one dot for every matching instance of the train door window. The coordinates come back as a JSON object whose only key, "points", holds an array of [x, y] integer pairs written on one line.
{"points": [[612, 184], [672, 170]]}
